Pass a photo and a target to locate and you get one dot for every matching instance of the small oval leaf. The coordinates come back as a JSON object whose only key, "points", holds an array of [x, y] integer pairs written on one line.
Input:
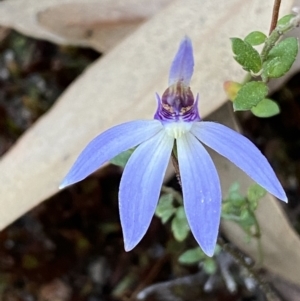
{"points": [[180, 227], [192, 256], [246, 55], [255, 192], [285, 20], [255, 38], [250, 95], [280, 59], [266, 108], [210, 266], [122, 158], [165, 208]]}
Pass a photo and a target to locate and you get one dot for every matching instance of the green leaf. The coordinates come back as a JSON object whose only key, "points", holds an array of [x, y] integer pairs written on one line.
{"points": [[192, 256], [122, 158], [255, 38], [285, 20], [234, 187], [280, 59], [218, 250], [180, 227], [165, 207], [250, 95], [235, 198], [246, 55], [266, 108], [247, 219], [210, 266], [255, 193]]}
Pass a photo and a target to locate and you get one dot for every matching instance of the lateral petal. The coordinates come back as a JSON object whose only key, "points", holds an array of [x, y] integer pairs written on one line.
{"points": [[140, 186], [240, 151], [201, 191], [109, 144], [183, 64]]}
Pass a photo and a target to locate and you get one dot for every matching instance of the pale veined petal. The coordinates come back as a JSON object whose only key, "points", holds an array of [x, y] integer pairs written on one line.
{"points": [[140, 186], [183, 64], [240, 151], [109, 144], [201, 191]]}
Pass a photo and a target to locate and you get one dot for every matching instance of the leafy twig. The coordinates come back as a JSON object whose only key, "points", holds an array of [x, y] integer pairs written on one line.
{"points": [[277, 33]]}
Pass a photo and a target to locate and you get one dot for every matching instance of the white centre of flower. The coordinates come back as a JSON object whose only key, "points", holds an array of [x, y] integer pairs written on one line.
{"points": [[177, 129]]}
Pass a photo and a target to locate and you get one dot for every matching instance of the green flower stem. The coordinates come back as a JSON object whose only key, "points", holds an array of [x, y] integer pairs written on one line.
{"points": [[257, 234], [231, 217]]}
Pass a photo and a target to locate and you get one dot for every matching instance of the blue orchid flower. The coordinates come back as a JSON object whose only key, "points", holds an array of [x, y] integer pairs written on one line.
{"points": [[176, 124]]}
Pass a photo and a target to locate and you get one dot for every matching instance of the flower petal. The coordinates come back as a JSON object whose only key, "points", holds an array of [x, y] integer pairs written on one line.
{"points": [[109, 144], [240, 151], [201, 191], [140, 186], [183, 64]]}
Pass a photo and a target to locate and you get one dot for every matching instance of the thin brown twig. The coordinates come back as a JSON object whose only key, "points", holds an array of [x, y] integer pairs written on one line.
{"points": [[176, 167], [275, 14]]}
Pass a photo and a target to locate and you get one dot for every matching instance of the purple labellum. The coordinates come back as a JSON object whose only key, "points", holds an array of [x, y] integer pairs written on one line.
{"points": [[177, 104]]}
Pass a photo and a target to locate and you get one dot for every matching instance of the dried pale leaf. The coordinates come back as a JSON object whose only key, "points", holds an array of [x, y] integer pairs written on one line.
{"points": [[279, 241], [100, 24]]}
